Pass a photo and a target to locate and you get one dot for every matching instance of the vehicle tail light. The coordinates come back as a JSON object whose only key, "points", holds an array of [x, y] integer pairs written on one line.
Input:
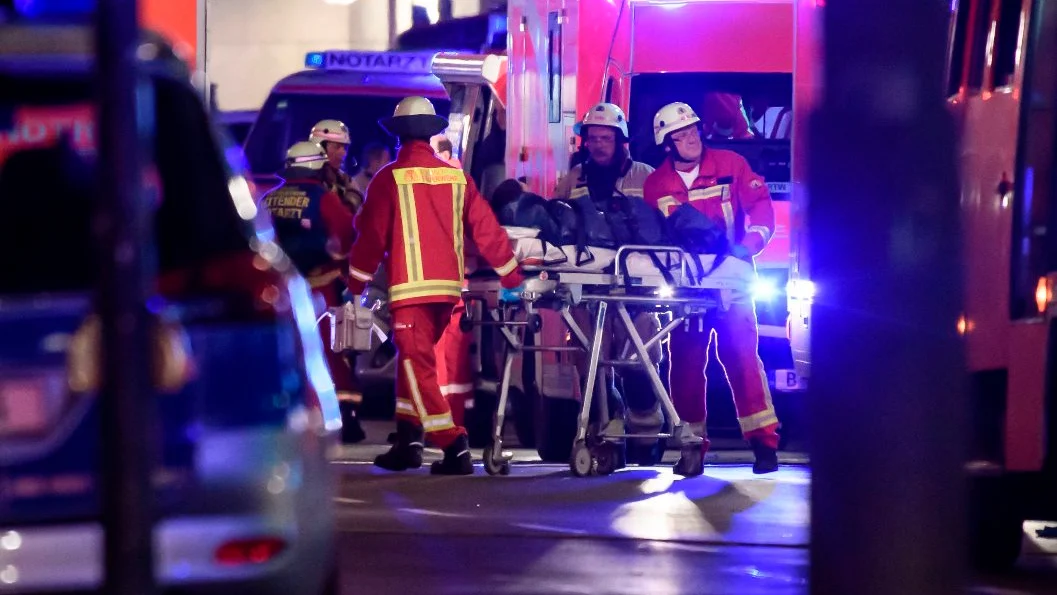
{"points": [[1043, 294], [173, 366], [256, 550], [84, 357]]}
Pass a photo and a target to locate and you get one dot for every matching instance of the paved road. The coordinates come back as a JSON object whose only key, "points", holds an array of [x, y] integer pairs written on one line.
{"points": [[638, 531]]}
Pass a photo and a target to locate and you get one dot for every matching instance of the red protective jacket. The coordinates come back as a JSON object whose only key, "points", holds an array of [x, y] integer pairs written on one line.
{"points": [[417, 213], [726, 189], [305, 207]]}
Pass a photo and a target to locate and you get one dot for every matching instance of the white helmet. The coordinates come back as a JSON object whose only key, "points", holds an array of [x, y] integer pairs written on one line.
{"points": [[414, 106], [672, 117], [307, 154], [330, 130], [414, 116], [605, 114]]}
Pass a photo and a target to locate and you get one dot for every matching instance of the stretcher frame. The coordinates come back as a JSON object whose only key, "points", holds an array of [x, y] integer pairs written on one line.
{"points": [[558, 288]]}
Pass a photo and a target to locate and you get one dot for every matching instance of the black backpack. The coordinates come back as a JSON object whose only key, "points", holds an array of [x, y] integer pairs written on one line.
{"points": [[565, 217], [531, 210], [645, 224]]}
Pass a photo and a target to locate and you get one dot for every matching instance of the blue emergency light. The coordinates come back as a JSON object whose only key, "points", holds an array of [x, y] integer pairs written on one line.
{"points": [[379, 62], [45, 9]]}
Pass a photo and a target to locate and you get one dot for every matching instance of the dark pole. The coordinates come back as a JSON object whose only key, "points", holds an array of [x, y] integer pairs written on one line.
{"points": [[887, 403], [126, 399]]}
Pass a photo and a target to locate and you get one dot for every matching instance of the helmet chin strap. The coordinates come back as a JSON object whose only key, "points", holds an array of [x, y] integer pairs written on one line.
{"points": [[676, 155]]}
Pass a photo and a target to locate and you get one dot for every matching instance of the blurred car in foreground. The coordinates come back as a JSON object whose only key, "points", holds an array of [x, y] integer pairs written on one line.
{"points": [[246, 410]]}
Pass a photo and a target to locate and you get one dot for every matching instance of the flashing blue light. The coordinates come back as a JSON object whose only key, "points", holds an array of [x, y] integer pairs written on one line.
{"points": [[31, 9], [314, 59], [764, 289]]}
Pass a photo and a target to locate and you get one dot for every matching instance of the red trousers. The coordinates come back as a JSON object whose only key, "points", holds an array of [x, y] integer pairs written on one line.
{"points": [[454, 368], [416, 331], [737, 346], [340, 371]]}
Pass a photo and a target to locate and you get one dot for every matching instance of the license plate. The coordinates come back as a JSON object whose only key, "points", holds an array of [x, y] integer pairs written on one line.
{"points": [[787, 380], [23, 406]]}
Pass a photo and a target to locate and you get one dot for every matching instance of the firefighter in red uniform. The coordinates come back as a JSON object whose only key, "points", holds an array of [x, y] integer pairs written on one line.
{"points": [[314, 228], [722, 185], [334, 137], [417, 213]]}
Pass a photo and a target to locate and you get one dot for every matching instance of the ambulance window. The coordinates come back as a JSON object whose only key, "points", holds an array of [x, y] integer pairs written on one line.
{"points": [[981, 22], [1034, 218], [957, 48], [554, 67], [1006, 44], [287, 118], [750, 114]]}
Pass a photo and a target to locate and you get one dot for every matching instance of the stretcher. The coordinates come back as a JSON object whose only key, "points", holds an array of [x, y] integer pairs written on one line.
{"points": [[652, 278]]}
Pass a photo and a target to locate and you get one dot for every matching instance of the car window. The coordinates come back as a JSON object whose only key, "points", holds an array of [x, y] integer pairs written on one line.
{"points": [[47, 185]]}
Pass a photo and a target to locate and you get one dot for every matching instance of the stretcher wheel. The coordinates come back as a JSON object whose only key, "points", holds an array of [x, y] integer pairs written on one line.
{"points": [[493, 465], [606, 457], [582, 462], [691, 461], [645, 454], [535, 323], [465, 323]]}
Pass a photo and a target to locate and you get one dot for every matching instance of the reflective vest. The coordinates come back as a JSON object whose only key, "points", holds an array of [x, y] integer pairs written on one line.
{"points": [[574, 185], [726, 190], [417, 214], [311, 226]]}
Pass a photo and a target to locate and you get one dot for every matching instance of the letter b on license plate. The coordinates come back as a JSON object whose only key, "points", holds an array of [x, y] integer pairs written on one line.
{"points": [[787, 380]]}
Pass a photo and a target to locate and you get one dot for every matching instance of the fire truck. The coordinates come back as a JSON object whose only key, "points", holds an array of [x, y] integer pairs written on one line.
{"points": [[564, 56], [998, 55]]}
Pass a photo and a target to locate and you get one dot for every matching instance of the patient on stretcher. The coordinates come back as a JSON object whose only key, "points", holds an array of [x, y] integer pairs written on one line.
{"points": [[564, 235]]}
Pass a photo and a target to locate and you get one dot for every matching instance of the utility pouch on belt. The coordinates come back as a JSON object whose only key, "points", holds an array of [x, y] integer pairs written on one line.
{"points": [[352, 328]]}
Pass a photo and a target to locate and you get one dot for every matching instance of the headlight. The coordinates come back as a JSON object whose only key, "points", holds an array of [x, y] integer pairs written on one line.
{"points": [[801, 289], [764, 289]]}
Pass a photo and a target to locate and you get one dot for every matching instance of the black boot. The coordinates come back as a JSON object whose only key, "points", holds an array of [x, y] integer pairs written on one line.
{"points": [[457, 460], [766, 458], [351, 431], [406, 452]]}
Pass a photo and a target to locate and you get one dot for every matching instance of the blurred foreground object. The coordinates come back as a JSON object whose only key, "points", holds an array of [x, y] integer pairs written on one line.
{"points": [[887, 413], [121, 222]]}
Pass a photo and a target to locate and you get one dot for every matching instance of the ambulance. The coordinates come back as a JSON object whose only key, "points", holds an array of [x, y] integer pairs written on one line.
{"points": [[564, 56], [999, 54], [356, 87]]}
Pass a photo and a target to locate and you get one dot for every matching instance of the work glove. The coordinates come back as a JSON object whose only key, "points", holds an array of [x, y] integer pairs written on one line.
{"points": [[741, 252], [512, 286], [512, 280], [510, 295]]}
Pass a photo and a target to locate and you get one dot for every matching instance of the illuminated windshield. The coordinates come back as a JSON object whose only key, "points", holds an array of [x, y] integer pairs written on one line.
{"points": [[288, 117]]}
